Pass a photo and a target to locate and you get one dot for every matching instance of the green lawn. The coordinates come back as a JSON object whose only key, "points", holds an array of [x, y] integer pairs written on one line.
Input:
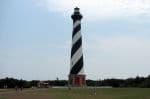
{"points": [[101, 93]]}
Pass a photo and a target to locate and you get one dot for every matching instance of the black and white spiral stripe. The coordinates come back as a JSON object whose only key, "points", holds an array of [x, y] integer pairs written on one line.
{"points": [[76, 51]]}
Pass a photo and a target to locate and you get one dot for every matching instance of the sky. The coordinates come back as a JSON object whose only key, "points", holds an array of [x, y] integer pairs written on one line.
{"points": [[35, 38]]}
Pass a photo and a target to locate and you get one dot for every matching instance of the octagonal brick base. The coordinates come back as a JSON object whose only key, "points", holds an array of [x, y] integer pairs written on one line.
{"points": [[77, 80]]}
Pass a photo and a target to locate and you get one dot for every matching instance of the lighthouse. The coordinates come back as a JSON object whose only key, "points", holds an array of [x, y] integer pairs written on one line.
{"points": [[77, 76]]}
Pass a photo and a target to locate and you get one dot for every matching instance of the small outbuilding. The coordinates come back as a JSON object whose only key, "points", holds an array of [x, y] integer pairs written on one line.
{"points": [[43, 84]]}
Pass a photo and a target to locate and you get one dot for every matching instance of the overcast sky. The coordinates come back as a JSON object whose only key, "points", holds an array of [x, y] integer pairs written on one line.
{"points": [[35, 38]]}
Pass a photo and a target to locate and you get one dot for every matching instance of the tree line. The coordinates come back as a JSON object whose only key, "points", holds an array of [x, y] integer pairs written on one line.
{"points": [[143, 82]]}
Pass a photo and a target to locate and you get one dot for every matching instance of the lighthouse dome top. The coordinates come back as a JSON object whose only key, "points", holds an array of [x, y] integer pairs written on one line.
{"points": [[76, 15], [76, 9]]}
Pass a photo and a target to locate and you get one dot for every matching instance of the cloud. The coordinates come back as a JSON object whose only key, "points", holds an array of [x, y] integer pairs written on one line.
{"points": [[120, 45], [117, 56], [122, 41], [101, 9]]}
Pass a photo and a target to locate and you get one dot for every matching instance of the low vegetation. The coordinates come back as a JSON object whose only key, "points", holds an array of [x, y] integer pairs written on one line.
{"points": [[77, 93], [140, 82]]}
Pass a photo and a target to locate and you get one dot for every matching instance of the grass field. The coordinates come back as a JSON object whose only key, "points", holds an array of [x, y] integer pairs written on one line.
{"points": [[60, 93]]}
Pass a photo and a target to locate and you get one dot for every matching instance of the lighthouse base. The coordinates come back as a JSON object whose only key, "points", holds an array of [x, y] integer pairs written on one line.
{"points": [[77, 80]]}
